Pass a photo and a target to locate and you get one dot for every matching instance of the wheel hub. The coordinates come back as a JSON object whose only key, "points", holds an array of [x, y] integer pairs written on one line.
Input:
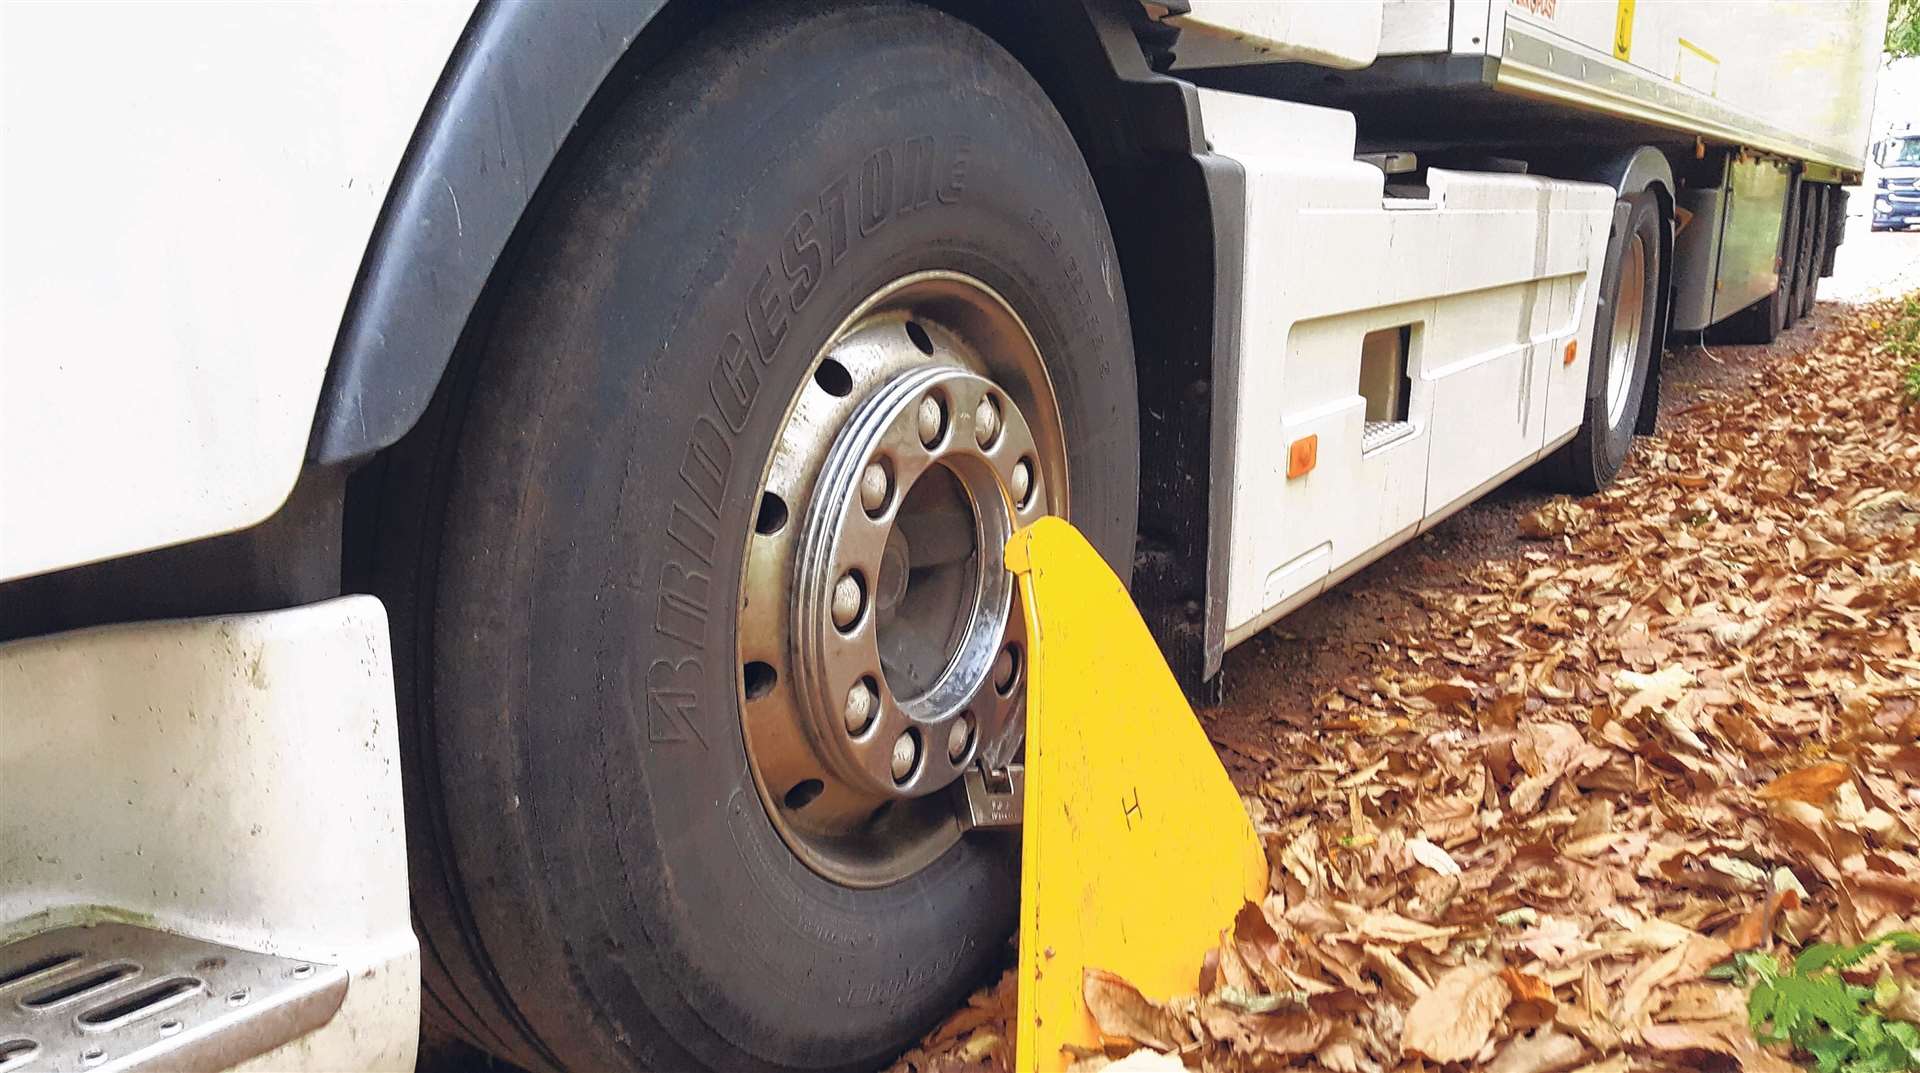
{"points": [[881, 641], [908, 523]]}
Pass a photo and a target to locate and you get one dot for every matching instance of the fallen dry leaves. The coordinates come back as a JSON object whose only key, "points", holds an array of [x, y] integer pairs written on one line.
{"points": [[1684, 723]]}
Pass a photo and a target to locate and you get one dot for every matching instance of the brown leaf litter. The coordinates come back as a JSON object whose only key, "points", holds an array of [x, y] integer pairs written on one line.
{"points": [[1685, 720]]}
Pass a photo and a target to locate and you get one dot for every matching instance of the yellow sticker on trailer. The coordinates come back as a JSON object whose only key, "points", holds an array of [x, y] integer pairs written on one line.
{"points": [[1623, 30]]}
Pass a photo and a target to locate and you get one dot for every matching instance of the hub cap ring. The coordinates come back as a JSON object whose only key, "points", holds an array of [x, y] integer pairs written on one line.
{"points": [[845, 539], [881, 642], [1629, 306]]}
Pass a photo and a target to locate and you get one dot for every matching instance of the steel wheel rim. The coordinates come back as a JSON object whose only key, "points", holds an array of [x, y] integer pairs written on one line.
{"points": [[876, 615], [1628, 306]]}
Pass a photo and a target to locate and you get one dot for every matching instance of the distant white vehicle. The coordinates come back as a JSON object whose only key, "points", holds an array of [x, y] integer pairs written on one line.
{"points": [[1896, 190], [512, 496]]}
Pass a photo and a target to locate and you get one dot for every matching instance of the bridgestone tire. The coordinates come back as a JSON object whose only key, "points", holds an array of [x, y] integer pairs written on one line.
{"points": [[597, 884], [1589, 461]]}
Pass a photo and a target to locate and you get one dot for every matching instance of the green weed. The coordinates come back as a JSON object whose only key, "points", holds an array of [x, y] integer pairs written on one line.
{"points": [[1843, 1026], [1901, 341]]}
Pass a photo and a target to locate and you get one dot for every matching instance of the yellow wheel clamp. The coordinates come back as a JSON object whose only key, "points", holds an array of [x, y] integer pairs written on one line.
{"points": [[1137, 852]]}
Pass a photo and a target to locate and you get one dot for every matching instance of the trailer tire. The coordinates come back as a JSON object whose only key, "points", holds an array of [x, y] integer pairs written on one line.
{"points": [[1790, 278], [1812, 250], [598, 883], [1629, 289]]}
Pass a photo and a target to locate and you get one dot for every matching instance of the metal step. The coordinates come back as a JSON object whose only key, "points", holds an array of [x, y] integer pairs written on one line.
{"points": [[120, 997], [1377, 434]]}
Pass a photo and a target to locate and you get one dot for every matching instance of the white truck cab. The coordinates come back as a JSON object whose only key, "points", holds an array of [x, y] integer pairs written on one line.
{"points": [[1896, 187]]}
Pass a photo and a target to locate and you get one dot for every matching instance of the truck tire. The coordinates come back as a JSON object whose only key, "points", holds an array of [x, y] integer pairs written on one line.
{"points": [[1802, 253], [820, 311], [1790, 265], [1813, 252], [1625, 333], [1790, 270]]}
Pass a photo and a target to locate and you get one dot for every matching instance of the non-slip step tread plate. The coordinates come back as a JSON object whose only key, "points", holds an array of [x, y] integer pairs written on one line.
{"points": [[120, 997], [1375, 434]]}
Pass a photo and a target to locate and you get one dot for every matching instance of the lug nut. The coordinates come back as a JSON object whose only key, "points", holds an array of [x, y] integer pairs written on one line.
{"points": [[1003, 669], [847, 599], [905, 752], [932, 417], [1022, 482], [860, 705], [986, 421], [958, 738], [874, 486]]}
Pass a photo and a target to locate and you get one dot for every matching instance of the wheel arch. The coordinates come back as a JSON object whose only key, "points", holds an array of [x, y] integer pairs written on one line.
{"points": [[1630, 172], [526, 79], [1651, 172], [1176, 211], [521, 80]]}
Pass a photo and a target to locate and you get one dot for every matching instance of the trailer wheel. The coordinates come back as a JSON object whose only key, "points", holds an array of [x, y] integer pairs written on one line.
{"points": [[695, 565], [1790, 272], [1814, 226], [1625, 334]]}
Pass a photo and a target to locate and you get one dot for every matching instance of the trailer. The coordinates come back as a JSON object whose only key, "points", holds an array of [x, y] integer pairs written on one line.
{"points": [[503, 507]]}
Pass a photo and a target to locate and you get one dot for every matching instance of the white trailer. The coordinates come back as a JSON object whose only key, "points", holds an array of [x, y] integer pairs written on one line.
{"points": [[501, 506]]}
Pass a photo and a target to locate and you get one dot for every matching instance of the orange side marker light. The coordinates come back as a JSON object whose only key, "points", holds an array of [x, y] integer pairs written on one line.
{"points": [[1303, 455], [1573, 350]]}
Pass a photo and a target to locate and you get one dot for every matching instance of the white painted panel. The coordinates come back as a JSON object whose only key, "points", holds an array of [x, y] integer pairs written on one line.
{"points": [[235, 779], [1491, 271], [1333, 33], [1476, 26], [1409, 27], [1323, 359], [1491, 407], [1575, 299], [186, 191], [1794, 74]]}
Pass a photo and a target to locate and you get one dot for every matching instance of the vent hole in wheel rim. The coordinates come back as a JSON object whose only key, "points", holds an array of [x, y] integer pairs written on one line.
{"points": [[1006, 670], [833, 378], [803, 793], [921, 340], [772, 516], [758, 679]]}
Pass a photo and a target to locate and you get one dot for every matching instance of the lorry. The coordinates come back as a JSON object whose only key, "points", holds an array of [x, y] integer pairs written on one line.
{"points": [[1896, 186], [503, 505]]}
